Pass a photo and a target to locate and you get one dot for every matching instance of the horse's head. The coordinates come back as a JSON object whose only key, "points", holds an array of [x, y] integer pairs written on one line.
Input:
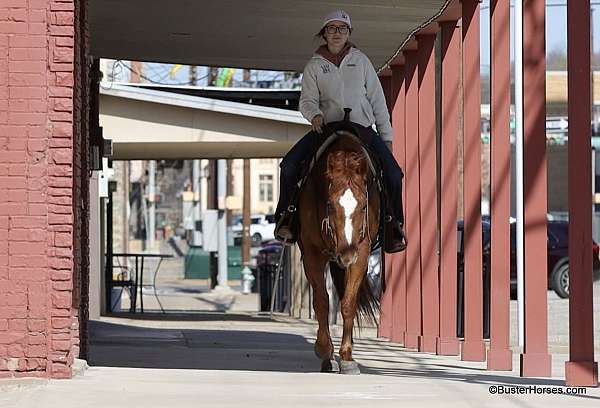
{"points": [[347, 204]]}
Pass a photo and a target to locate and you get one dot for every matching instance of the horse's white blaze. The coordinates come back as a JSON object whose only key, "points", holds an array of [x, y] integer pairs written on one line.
{"points": [[348, 202]]}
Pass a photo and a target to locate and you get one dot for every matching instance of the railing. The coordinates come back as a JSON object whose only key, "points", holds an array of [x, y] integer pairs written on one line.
{"points": [[435, 109]]}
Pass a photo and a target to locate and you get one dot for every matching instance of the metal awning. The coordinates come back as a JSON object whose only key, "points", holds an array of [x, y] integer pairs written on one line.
{"points": [[258, 34], [147, 124]]}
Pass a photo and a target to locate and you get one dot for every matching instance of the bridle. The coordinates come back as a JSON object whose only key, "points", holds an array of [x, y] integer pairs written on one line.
{"points": [[330, 238]]}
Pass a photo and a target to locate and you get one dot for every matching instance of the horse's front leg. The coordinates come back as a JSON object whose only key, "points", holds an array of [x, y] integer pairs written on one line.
{"points": [[314, 267], [354, 278]]}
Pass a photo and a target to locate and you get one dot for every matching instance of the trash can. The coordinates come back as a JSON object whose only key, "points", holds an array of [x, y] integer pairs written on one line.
{"points": [[197, 263], [266, 269], [234, 262]]}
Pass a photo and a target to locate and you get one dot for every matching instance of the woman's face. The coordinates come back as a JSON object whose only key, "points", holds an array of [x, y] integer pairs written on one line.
{"points": [[336, 39]]}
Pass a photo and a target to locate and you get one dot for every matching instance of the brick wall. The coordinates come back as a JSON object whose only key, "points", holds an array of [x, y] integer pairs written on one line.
{"points": [[81, 184], [38, 317]]}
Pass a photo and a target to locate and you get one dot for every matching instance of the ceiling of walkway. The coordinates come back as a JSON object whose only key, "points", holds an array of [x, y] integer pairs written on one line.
{"points": [[258, 34]]}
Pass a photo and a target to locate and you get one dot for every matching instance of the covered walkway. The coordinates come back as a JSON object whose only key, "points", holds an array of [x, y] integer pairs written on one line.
{"points": [[51, 115]]}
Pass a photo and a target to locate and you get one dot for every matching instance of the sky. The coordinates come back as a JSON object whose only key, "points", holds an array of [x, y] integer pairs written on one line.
{"points": [[556, 27]]}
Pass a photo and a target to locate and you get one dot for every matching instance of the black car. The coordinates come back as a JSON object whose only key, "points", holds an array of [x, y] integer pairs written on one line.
{"points": [[558, 257], [558, 254]]}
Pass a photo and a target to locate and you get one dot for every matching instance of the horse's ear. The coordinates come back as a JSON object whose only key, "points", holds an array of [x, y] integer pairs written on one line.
{"points": [[362, 166]]}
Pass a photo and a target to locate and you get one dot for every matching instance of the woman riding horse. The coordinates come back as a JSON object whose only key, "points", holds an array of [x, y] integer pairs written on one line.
{"points": [[339, 205], [340, 76]]}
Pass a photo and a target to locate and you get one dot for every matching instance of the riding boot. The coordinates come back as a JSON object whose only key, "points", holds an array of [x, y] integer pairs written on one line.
{"points": [[286, 227], [394, 238]]}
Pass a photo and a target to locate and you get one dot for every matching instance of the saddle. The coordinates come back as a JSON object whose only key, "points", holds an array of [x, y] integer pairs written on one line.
{"points": [[330, 133]]}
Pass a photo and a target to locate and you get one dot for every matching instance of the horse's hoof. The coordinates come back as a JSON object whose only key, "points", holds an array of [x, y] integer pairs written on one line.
{"points": [[330, 366], [349, 367]]}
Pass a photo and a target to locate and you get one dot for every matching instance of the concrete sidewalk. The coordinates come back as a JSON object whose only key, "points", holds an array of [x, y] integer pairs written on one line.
{"points": [[244, 359]]}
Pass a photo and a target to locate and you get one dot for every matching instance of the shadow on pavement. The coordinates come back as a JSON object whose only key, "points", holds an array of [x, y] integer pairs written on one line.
{"points": [[190, 316], [117, 345]]}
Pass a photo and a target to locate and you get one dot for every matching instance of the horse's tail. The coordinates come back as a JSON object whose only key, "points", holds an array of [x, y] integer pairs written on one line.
{"points": [[368, 302]]}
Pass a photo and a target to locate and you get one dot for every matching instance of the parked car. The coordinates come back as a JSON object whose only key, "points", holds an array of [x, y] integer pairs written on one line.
{"points": [[557, 258], [262, 228]]}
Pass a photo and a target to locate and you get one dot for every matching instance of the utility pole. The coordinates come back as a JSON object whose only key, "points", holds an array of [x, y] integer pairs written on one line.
{"points": [[213, 73], [193, 75], [197, 214], [246, 215], [197, 209], [246, 273], [137, 69], [246, 77], [229, 187], [211, 199], [125, 208], [152, 202], [222, 278], [135, 76]]}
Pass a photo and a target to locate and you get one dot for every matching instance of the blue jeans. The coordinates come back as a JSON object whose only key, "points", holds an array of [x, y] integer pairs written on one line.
{"points": [[303, 150]]}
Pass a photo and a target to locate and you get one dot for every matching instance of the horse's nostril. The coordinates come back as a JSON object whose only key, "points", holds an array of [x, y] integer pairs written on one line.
{"points": [[347, 258]]}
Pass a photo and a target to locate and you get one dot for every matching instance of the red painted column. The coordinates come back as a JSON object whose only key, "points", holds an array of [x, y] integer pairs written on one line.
{"points": [[385, 318], [428, 196], [399, 150], [448, 343], [500, 355], [580, 369], [386, 84], [535, 361], [473, 348], [412, 218]]}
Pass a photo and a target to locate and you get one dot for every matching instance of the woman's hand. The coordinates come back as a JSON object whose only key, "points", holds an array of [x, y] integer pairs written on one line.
{"points": [[317, 123]]}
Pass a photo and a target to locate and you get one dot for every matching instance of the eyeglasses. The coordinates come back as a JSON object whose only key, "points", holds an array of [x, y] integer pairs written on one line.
{"points": [[331, 29]]}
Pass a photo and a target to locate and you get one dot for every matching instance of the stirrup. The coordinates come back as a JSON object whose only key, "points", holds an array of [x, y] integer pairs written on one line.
{"points": [[283, 229], [394, 237]]}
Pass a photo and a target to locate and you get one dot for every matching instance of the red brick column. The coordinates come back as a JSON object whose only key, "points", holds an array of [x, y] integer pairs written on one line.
{"points": [[38, 331]]}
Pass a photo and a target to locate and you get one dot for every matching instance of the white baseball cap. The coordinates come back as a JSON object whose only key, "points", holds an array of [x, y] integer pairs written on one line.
{"points": [[338, 15]]}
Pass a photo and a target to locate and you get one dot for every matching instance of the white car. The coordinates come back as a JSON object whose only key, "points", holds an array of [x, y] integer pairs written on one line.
{"points": [[262, 228]]}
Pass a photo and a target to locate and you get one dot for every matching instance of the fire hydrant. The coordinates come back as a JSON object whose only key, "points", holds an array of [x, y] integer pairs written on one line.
{"points": [[247, 280]]}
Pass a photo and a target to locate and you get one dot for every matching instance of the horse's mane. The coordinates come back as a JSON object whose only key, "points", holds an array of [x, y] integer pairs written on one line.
{"points": [[346, 163]]}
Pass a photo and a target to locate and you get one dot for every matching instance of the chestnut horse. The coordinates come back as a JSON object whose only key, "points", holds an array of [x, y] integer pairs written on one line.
{"points": [[339, 218]]}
